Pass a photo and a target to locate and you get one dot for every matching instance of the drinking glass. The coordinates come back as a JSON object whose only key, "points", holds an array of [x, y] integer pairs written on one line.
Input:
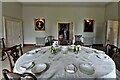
{"points": [[76, 54]]}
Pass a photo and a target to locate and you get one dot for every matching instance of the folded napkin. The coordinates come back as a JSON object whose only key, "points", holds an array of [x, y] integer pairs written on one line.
{"points": [[27, 66], [22, 68], [71, 68]]}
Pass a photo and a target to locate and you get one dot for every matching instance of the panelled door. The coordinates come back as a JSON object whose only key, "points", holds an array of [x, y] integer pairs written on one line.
{"points": [[112, 32], [13, 30]]}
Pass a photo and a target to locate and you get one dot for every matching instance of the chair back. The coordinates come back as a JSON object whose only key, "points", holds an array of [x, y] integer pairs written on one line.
{"points": [[77, 37], [64, 42], [98, 46], [3, 48], [13, 53], [3, 43], [15, 76], [111, 50], [50, 38], [78, 40]]}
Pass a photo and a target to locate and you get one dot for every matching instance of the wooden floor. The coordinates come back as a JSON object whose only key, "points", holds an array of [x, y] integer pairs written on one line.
{"points": [[4, 63], [117, 62]]}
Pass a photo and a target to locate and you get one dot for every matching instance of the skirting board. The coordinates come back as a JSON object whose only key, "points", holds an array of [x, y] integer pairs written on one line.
{"points": [[28, 44], [32, 45]]}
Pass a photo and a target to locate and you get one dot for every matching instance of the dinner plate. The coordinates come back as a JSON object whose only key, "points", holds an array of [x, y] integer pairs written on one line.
{"points": [[39, 68], [71, 68], [87, 69]]}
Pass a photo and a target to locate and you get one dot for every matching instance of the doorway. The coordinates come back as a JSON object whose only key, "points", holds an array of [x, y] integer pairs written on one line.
{"points": [[65, 33], [112, 32], [13, 31]]}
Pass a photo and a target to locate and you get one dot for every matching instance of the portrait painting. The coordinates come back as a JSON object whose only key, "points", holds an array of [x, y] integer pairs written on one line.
{"points": [[39, 24], [88, 25]]}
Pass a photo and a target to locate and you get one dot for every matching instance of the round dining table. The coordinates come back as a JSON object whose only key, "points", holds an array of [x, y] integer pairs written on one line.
{"points": [[65, 64]]}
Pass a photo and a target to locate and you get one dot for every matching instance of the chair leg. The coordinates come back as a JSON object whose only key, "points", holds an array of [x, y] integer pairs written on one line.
{"points": [[2, 57], [4, 72]]}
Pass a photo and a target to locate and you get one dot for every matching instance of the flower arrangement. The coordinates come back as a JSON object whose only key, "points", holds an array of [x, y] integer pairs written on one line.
{"points": [[53, 50], [76, 48]]}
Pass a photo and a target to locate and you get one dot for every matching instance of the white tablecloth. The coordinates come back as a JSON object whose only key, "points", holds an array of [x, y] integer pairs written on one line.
{"points": [[104, 68]]}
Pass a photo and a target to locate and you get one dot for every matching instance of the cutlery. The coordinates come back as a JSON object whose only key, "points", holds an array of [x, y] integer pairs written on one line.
{"points": [[56, 59], [96, 52], [100, 57], [44, 52], [37, 51], [33, 64], [24, 67]]}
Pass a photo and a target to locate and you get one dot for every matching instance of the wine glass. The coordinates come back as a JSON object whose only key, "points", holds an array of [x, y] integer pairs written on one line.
{"points": [[76, 54], [50, 57]]}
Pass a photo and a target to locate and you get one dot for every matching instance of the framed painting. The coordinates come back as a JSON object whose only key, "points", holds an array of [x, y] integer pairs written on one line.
{"points": [[39, 24], [88, 25]]}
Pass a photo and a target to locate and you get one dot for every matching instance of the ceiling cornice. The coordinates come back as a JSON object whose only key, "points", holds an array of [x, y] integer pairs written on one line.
{"points": [[60, 0]]}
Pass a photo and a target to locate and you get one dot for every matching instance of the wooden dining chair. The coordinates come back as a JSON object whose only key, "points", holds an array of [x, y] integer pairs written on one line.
{"points": [[78, 40], [116, 53], [111, 50], [16, 76], [3, 43], [50, 40], [13, 53], [3, 48], [98, 46]]}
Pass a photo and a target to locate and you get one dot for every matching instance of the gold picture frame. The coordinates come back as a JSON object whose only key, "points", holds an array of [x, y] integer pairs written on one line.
{"points": [[39, 24], [88, 25]]}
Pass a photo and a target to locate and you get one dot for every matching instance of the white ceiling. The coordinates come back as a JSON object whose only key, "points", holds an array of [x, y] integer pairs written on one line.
{"points": [[94, 4], [83, 3]]}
